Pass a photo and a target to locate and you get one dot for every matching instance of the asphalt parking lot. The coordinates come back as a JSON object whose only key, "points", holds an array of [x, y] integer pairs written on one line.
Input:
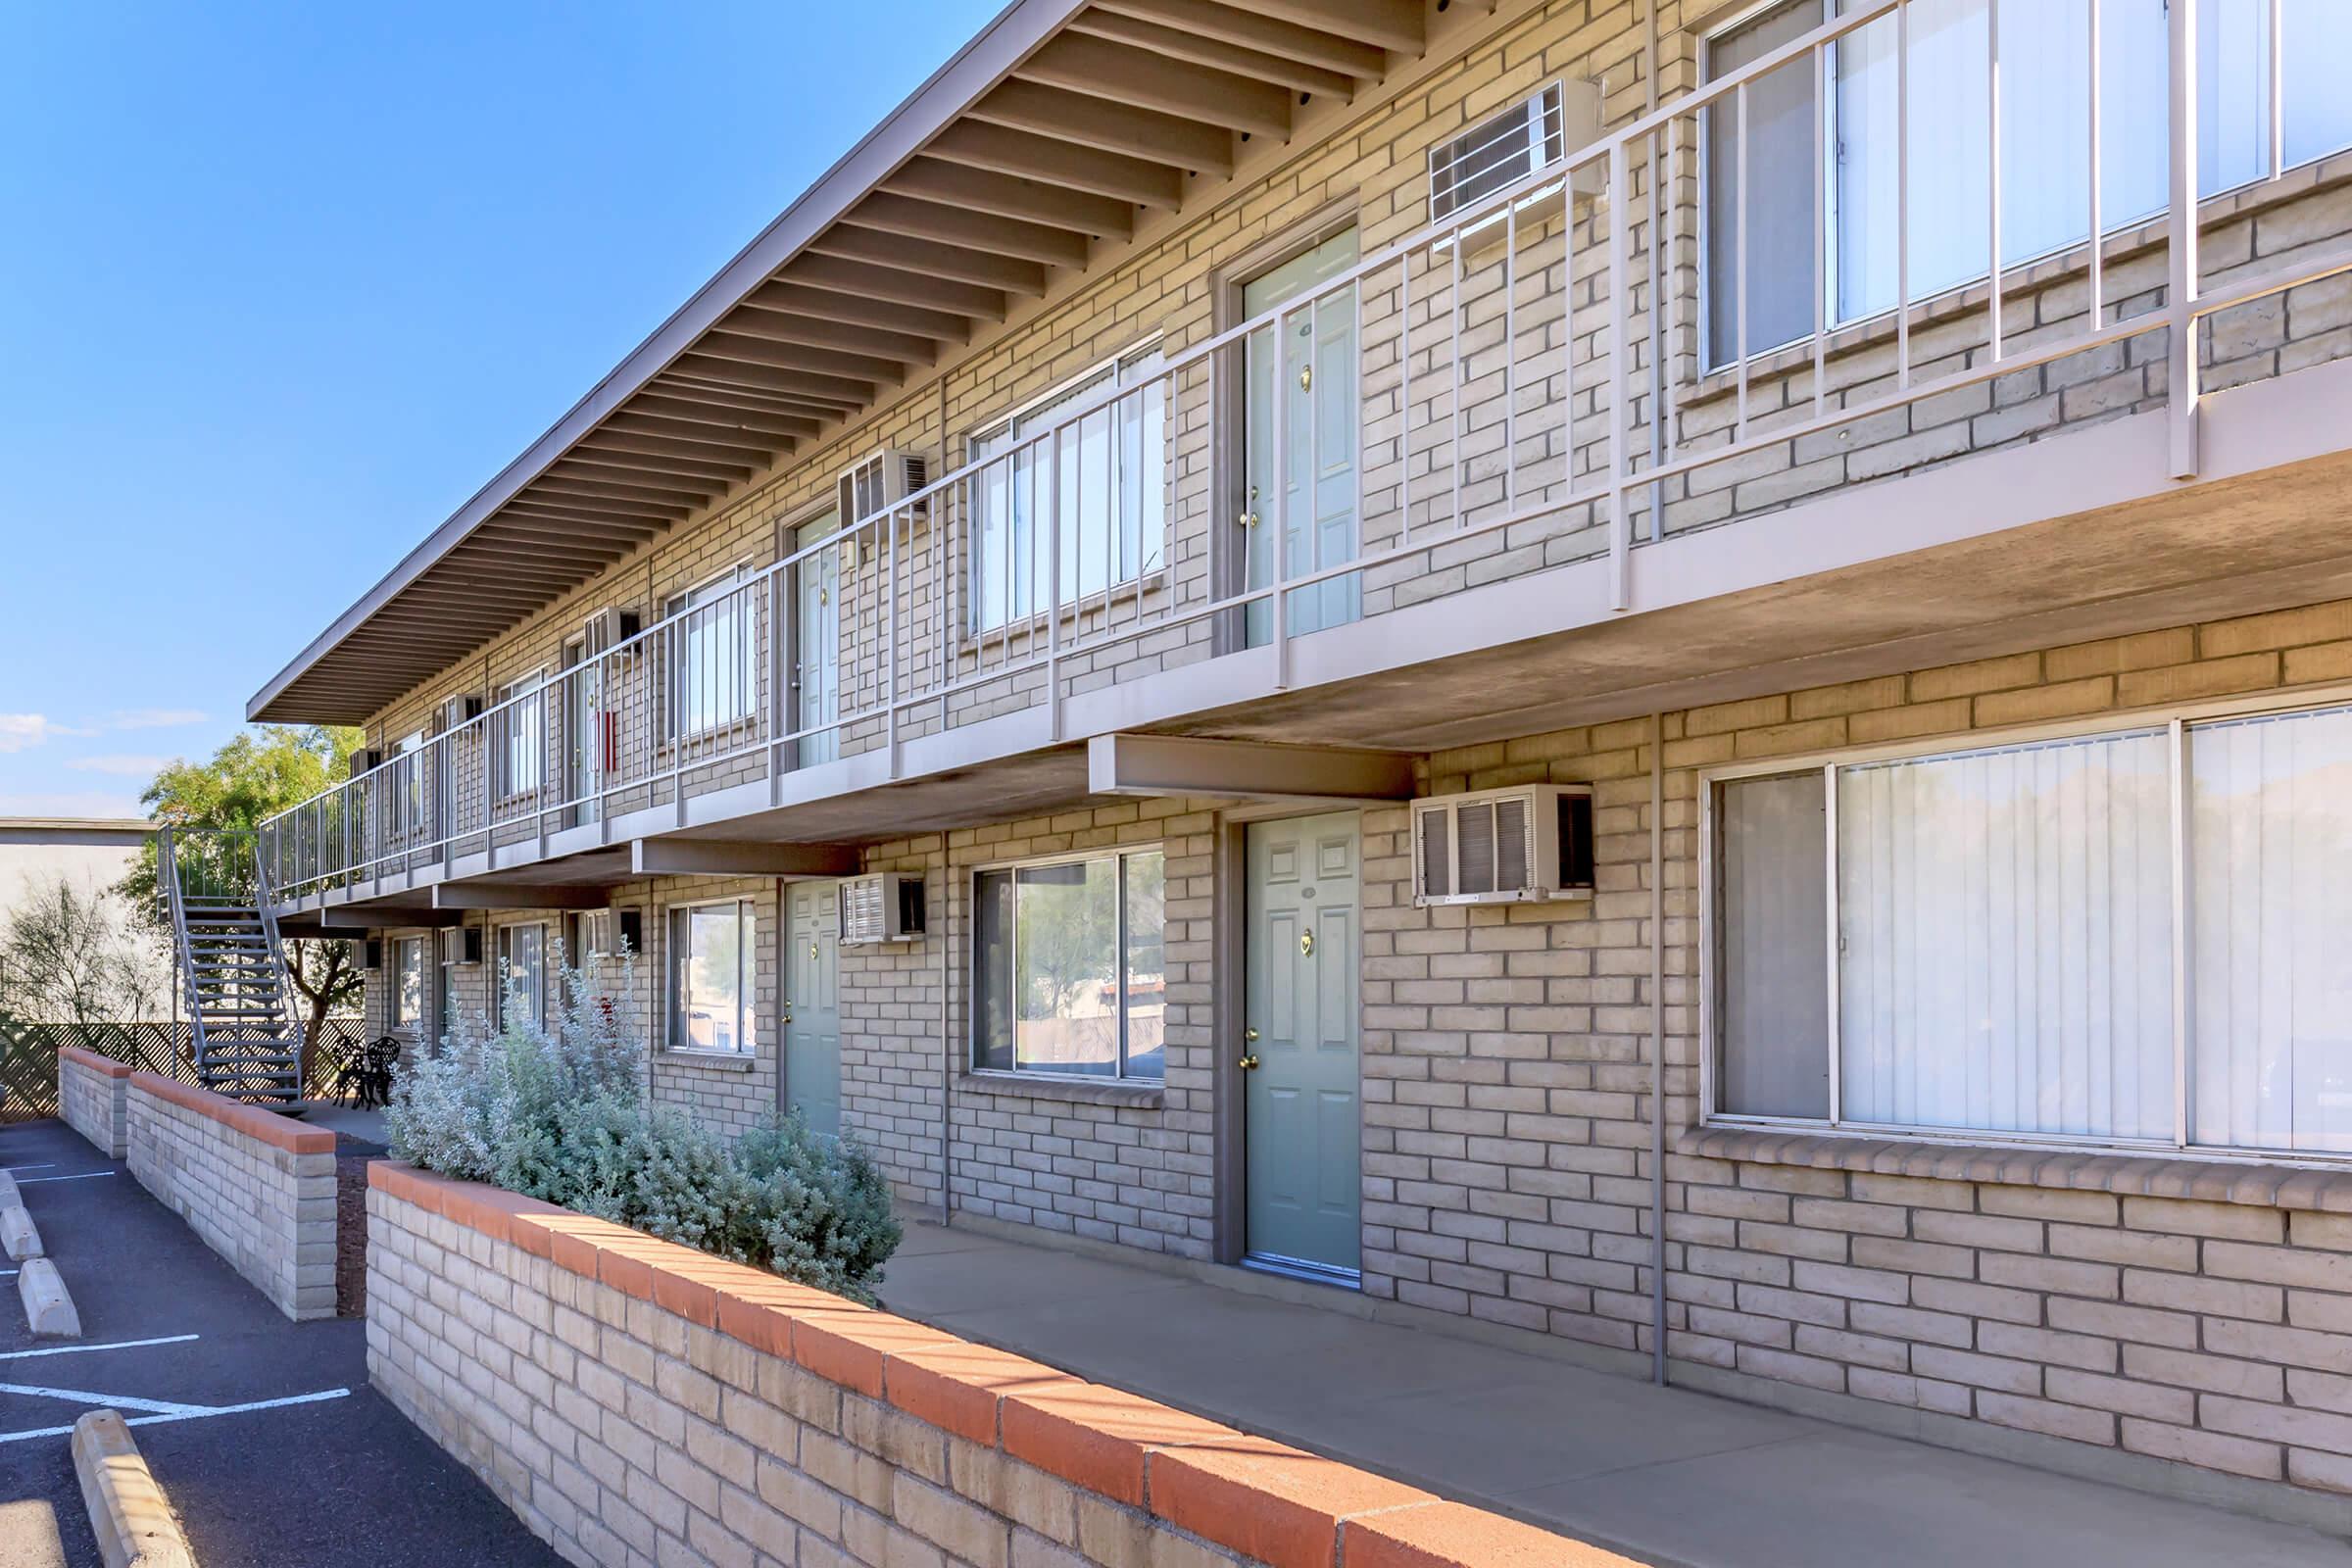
{"points": [[264, 1432]]}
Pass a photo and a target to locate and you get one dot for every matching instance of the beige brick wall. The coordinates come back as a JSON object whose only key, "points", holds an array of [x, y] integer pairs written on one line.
{"points": [[1532, 315], [267, 1209], [91, 1101], [1507, 1173], [1129, 1162]]}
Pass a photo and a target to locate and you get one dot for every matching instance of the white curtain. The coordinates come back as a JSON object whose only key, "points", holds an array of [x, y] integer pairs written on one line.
{"points": [[2005, 926], [2045, 139], [2271, 901]]}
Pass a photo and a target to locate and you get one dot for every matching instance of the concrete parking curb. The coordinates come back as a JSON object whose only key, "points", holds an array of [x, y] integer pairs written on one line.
{"points": [[48, 1308], [129, 1512], [10, 1198], [18, 1233]]}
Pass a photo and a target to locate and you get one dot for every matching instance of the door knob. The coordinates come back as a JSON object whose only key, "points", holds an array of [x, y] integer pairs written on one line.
{"points": [[1249, 1035], [788, 1016], [1247, 519], [1247, 1063]]}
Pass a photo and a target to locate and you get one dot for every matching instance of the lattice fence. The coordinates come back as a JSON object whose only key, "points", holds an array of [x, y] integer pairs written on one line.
{"points": [[29, 1057]]}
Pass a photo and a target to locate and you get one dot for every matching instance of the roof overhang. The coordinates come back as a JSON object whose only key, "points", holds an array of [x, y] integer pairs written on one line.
{"points": [[1044, 138]]}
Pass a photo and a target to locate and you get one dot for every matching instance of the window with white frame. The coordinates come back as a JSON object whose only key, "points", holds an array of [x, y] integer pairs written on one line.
{"points": [[1982, 941], [522, 974], [407, 998], [714, 654], [449, 954], [2044, 65], [522, 741], [712, 964], [1102, 481], [1069, 968]]}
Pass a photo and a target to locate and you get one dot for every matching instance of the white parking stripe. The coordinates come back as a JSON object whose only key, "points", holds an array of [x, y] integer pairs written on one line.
{"points": [[34, 1391], [46, 1164], [199, 1413], [79, 1176], [84, 1350]]}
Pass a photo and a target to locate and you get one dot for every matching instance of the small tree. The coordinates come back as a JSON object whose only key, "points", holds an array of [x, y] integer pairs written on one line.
{"points": [[70, 954], [252, 778]]}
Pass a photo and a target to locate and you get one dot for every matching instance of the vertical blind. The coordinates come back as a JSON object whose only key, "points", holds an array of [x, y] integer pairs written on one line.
{"points": [[2005, 921], [2044, 64], [2005, 938], [2271, 896]]}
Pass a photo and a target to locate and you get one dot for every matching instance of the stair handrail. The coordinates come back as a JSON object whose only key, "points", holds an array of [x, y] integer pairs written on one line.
{"points": [[175, 904], [261, 903]]}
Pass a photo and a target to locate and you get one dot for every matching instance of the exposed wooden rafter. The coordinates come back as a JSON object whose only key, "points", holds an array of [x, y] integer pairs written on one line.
{"points": [[1044, 148], [1141, 82]]}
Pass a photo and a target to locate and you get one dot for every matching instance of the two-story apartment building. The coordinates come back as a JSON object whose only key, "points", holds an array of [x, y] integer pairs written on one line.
{"points": [[1674, 677]]}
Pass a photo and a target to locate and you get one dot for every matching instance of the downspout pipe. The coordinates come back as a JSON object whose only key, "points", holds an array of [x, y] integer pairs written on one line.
{"points": [[1657, 1050]]}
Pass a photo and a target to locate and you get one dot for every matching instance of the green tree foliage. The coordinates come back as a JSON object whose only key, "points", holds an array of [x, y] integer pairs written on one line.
{"points": [[256, 776]]}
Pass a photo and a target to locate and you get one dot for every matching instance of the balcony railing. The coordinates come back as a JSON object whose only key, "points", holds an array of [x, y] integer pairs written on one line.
{"points": [[1529, 383]]}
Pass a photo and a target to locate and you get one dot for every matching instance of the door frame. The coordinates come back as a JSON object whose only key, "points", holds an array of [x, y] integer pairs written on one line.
{"points": [[782, 959], [1228, 564], [1229, 903]]}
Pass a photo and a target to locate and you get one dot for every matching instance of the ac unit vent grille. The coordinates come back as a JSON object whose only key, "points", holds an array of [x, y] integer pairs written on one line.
{"points": [[1474, 829], [1436, 854], [1512, 867], [885, 479], [1504, 150], [883, 907], [1528, 844]]}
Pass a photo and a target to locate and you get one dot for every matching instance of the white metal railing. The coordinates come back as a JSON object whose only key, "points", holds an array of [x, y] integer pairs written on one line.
{"points": [[1529, 370]]}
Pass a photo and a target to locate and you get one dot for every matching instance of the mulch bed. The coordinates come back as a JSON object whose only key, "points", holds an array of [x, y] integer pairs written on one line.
{"points": [[353, 1156]]}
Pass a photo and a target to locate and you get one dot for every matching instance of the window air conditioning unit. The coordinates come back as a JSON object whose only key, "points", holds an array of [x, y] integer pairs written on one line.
{"points": [[885, 479], [592, 936], [1532, 135], [457, 710], [465, 944], [365, 760], [1527, 845], [613, 628], [885, 908], [371, 954], [630, 923]]}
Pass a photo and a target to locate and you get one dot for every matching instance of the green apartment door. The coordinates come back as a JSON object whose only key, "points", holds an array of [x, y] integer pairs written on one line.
{"points": [[1301, 1108], [1301, 500], [813, 1006]]}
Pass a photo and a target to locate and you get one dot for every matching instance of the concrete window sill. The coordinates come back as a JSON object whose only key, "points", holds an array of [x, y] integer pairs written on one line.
{"points": [[719, 1061], [2212, 1180], [1077, 1090]]}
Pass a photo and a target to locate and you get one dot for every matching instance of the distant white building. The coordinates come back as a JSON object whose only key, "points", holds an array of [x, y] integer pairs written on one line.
{"points": [[95, 852]]}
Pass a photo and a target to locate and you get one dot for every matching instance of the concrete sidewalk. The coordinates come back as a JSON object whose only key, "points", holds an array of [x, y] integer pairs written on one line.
{"points": [[341, 1479], [1661, 1474]]}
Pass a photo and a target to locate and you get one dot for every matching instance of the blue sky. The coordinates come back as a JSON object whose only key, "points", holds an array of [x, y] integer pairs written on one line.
{"points": [[280, 285]]}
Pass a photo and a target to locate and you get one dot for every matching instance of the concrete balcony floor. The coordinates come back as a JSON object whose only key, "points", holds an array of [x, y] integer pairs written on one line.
{"points": [[1663, 1475]]}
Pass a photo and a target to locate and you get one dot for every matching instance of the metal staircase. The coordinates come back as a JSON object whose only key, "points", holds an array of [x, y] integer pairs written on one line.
{"points": [[233, 971]]}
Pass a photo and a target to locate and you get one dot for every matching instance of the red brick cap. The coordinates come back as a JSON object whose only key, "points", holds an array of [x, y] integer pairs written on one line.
{"points": [[1277, 1505], [92, 1060], [263, 1126]]}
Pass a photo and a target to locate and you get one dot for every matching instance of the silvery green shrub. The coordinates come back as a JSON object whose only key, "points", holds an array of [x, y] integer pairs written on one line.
{"points": [[561, 1114]]}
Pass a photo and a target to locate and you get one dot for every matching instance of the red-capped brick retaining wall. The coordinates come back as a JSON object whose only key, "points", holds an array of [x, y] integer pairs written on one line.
{"points": [[90, 1097], [632, 1400], [258, 1188]]}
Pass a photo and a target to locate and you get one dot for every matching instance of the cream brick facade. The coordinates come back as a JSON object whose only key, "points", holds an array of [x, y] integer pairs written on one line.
{"points": [[90, 1093], [255, 1188], [2072, 1308]]}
